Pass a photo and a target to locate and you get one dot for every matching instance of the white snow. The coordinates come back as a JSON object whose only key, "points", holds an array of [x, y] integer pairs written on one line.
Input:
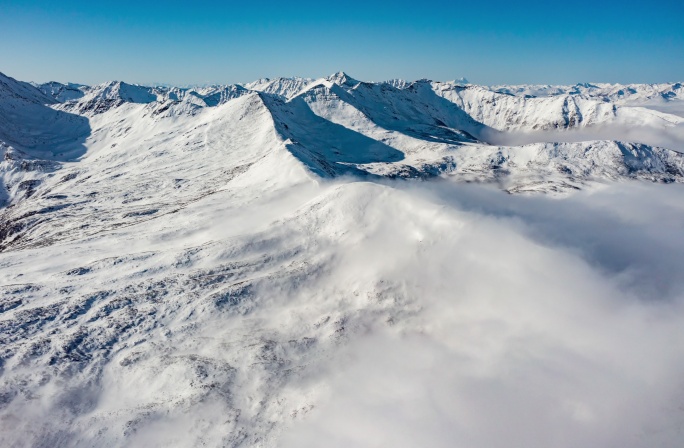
{"points": [[331, 262]]}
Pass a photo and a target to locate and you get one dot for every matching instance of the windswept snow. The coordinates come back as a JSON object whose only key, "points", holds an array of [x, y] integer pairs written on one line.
{"points": [[332, 262]]}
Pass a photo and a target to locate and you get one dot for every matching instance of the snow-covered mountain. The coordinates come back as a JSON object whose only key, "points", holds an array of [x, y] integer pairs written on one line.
{"points": [[618, 93], [339, 125], [282, 87], [186, 266], [62, 92]]}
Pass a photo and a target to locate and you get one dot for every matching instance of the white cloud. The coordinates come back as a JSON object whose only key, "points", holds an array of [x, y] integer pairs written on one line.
{"points": [[535, 331]]}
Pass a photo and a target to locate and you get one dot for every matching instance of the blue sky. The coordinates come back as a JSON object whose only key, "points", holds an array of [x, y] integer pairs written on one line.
{"points": [[221, 42]]}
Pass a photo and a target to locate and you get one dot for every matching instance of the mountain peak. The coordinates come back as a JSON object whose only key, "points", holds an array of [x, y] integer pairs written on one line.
{"points": [[341, 78]]}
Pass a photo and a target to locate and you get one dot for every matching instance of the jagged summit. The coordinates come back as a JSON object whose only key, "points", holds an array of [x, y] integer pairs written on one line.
{"points": [[342, 79]]}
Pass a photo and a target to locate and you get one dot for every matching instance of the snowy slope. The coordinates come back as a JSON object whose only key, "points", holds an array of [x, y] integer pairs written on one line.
{"points": [[28, 123], [33, 138], [145, 165], [217, 266]]}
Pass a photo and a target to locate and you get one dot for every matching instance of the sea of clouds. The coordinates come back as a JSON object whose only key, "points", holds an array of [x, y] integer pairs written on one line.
{"points": [[544, 322]]}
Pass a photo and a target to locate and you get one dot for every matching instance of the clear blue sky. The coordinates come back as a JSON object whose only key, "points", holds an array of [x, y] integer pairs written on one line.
{"points": [[222, 42]]}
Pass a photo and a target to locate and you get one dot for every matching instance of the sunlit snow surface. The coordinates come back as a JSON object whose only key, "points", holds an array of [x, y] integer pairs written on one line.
{"points": [[308, 263]]}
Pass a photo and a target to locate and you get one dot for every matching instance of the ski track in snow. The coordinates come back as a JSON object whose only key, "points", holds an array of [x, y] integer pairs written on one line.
{"points": [[300, 262]]}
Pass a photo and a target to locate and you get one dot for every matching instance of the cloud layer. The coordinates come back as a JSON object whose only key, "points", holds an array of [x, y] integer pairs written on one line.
{"points": [[545, 322]]}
